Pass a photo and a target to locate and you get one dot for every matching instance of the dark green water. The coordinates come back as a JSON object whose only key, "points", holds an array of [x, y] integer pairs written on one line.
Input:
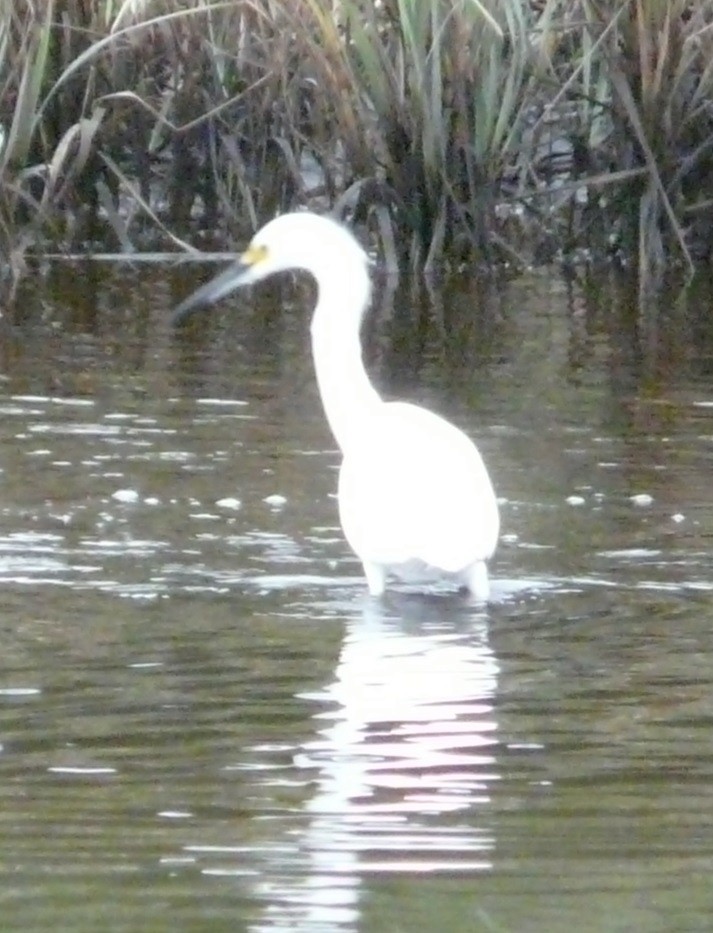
{"points": [[206, 725]]}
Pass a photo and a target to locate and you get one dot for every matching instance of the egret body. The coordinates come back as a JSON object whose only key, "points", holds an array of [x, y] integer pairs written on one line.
{"points": [[415, 498]]}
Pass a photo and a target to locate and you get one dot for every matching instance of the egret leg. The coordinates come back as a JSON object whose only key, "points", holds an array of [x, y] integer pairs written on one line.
{"points": [[475, 578], [375, 578]]}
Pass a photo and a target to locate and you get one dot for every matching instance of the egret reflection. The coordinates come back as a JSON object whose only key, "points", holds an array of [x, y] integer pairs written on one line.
{"points": [[407, 731]]}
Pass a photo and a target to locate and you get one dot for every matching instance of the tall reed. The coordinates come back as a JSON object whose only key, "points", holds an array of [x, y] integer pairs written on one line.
{"points": [[458, 129], [439, 92]]}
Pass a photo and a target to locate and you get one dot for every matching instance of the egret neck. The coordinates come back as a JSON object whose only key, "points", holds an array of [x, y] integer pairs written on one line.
{"points": [[348, 396]]}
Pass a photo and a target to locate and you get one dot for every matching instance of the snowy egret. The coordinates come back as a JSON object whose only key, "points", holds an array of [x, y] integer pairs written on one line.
{"points": [[415, 498]]}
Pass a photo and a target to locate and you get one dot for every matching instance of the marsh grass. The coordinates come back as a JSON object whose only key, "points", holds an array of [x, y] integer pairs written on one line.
{"points": [[454, 131], [659, 65], [443, 91]]}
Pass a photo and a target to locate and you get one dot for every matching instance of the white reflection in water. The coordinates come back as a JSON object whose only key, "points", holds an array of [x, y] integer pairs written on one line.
{"points": [[411, 736]]}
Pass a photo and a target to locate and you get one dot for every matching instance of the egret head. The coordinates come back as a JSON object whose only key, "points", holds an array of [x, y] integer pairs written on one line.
{"points": [[306, 241]]}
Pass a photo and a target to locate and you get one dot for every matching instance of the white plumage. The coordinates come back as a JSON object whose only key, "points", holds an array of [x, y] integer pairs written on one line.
{"points": [[415, 498]]}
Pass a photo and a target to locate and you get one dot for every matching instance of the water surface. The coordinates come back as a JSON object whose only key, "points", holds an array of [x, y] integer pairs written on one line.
{"points": [[204, 721]]}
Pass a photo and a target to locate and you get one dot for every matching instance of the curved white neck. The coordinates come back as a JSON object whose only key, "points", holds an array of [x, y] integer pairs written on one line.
{"points": [[347, 394]]}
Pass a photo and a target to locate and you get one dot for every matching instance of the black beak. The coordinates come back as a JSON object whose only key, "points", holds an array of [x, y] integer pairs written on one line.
{"points": [[212, 291]]}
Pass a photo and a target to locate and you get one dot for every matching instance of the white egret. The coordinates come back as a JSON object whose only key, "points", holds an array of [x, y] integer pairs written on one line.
{"points": [[415, 498]]}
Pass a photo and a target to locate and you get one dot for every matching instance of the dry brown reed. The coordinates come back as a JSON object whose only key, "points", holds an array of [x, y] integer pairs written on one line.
{"points": [[455, 130]]}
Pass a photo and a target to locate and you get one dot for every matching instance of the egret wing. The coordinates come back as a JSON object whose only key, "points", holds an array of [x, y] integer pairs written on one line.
{"points": [[414, 487]]}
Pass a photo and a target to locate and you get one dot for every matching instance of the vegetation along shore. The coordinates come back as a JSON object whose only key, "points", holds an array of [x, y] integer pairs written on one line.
{"points": [[453, 131]]}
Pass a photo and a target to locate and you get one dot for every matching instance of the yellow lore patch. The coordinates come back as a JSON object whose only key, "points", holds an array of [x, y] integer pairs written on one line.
{"points": [[254, 255]]}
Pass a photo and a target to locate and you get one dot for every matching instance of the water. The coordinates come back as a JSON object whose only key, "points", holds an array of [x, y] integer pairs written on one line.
{"points": [[205, 724]]}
